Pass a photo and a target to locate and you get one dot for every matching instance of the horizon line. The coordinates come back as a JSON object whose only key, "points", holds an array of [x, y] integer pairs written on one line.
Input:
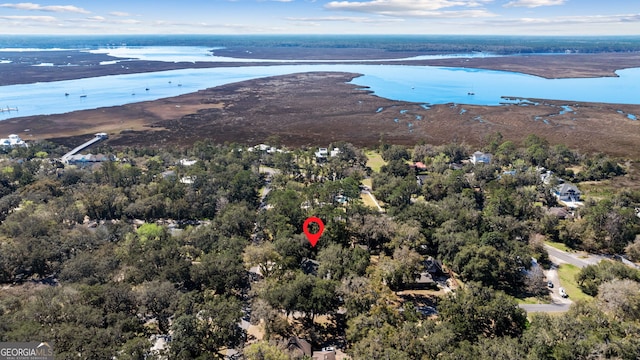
{"points": [[327, 34]]}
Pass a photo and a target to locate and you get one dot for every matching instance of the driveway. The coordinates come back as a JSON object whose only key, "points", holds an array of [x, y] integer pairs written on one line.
{"points": [[365, 190], [558, 303], [552, 275]]}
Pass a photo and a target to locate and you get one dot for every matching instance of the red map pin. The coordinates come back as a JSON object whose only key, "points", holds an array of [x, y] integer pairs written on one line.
{"points": [[313, 238]]}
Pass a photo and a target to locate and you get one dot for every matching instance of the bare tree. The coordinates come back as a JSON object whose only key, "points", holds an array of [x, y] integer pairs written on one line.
{"points": [[621, 298], [535, 282]]}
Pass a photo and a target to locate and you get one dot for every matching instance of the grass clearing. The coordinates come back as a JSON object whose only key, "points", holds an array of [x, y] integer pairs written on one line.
{"points": [[531, 300], [567, 274], [559, 246], [374, 160], [366, 199]]}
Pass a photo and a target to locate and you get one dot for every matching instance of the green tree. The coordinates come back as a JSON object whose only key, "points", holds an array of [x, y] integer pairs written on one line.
{"points": [[264, 351], [158, 298], [478, 311], [401, 270], [222, 272], [591, 277], [211, 327], [264, 256], [337, 262]]}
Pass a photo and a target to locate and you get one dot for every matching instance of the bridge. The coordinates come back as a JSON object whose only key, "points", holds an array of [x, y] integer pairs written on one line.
{"points": [[99, 137]]}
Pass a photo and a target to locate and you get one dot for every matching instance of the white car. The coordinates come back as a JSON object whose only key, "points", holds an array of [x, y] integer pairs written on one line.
{"points": [[563, 293]]}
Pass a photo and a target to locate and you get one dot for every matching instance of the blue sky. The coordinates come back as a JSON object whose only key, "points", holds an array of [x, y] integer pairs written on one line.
{"points": [[501, 17]]}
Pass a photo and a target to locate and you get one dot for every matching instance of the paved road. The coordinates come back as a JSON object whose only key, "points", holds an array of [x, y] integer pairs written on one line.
{"points": [[548, 308], [267, 188], [572, 258]]}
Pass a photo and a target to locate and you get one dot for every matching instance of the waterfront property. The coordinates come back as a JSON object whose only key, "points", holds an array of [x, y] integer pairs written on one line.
{"points": [[567, 192], [480, 157], [87, 159], [12, 141], [98, 137]]}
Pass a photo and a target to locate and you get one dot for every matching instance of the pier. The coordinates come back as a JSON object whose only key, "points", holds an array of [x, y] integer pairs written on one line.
{"points": [[99, 137], [8, 109]]}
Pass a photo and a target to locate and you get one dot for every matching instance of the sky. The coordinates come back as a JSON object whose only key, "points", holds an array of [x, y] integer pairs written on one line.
{"points": [[462, 17]]}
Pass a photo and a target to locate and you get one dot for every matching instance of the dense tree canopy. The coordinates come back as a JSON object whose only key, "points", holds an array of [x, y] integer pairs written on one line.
{"points": [[194, 244]]}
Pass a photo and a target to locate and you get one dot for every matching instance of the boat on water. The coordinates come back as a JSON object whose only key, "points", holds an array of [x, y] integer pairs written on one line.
{"points": [[83, 96], [8, 109]]}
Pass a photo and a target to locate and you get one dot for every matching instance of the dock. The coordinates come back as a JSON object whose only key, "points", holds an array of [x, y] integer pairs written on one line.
{"points": [[99, 137]]}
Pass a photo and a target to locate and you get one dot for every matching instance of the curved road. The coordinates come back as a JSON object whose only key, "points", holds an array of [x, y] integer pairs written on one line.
{"points": [[559, 257], [572, 258]]}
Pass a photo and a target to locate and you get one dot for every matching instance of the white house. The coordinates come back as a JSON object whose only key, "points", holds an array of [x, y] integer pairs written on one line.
{"points": [[13, 141], [187, 162], [324, 153], [480, 157], [567, 192]]}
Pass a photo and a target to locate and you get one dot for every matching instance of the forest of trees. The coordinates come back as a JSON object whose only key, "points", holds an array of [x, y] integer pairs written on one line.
{"points": [[103, 259]]}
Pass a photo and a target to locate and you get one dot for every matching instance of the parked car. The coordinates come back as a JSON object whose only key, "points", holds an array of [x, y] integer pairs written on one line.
{"points": [[550, 284], [563, 293]]}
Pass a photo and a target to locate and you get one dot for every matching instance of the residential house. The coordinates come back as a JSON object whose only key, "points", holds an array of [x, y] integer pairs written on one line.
{"points": [[298, 347], [265, 149], [12, 141], [323, 154], [424, 280], [418, 166], [310, 266], [325, 354], [421, 179], [567, 192], [433, 266], [87, 159], [480, 157], [187, 162], [560, 212]]}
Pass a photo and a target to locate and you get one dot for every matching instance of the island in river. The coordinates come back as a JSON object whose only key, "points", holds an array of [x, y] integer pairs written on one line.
{"points": [[319, 107]]}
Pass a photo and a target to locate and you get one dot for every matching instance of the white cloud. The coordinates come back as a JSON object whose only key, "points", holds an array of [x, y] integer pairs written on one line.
{"points": [[534, 3], [119, 13], [351, 19], [415, 8], [50, 8], [568, 20], [30, 18]]}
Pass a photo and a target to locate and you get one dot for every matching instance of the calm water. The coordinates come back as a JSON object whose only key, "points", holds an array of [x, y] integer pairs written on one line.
{"points": [[425, 85]]}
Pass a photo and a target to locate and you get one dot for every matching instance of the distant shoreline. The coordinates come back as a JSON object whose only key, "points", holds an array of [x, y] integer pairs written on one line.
{"points": [[313, 109], [72, 64], [316, 109]]}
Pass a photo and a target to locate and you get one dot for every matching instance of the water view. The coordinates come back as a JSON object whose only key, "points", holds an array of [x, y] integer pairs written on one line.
{"points": [[421, 84]]}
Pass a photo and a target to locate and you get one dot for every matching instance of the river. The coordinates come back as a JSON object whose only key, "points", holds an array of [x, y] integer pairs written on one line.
{"points": [[420, 84]]}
